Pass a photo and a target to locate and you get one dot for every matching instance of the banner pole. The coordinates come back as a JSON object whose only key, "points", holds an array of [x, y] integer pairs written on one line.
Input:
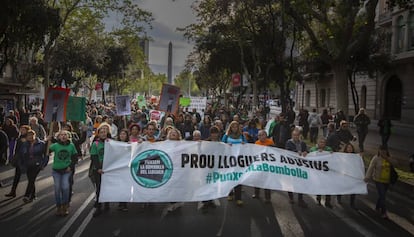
{"points": [[125, 122]]}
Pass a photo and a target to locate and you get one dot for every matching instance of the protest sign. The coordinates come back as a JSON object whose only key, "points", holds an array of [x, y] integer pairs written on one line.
{"points": [[56, 104]]}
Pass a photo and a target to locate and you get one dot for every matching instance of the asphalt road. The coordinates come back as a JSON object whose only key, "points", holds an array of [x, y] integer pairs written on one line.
{"points": [[255, 218]]}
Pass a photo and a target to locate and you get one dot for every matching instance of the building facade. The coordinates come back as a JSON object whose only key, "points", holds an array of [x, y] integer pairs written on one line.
{"points": [[387, 94], [16, 95]]}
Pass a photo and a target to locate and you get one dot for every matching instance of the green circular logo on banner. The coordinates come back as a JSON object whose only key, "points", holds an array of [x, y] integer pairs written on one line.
{"points": [[151, 168]]}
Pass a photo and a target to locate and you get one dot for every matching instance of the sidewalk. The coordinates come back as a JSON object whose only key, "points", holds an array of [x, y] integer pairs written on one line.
{"points": [[401, 146]]}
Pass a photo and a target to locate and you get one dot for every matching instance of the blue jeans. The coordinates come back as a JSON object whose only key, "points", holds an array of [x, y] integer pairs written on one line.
{"points": [[61, 187], [382, 191]]}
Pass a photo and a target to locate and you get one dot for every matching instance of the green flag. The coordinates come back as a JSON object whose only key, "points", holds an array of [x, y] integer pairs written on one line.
{"points": [[141, 101], [184, 101], [76, 109]]}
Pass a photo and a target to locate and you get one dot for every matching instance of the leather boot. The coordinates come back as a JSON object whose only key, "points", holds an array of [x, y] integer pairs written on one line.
{"points": [[65, 210], [58, 210], [11, 194]]}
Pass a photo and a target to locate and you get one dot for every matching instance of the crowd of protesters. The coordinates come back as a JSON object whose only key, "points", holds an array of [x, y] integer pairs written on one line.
{"points": [[27, 139]]}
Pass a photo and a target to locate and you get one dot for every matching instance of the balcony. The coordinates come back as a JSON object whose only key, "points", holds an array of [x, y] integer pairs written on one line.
{"points": [[385, 19], [404, 57]]}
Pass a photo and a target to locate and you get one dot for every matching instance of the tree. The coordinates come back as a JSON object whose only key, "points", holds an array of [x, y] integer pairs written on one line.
{"points": [[133, 18], [336, 30], [24, 26], [247, 37], [186, 81], [370, 59]]}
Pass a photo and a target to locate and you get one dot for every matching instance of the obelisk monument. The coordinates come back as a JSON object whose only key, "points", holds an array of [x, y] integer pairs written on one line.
{"points": [[170, 79]]}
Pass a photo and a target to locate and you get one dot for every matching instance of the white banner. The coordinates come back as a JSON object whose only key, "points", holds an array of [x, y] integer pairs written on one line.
{"points": [[198, 103], [183, 171]]}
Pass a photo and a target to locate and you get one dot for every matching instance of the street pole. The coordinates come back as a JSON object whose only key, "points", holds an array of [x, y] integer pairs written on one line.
{"points": [[189, 87]]}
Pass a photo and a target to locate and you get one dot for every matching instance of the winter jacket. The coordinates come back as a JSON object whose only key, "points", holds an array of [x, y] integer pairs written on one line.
{"points": [[31, 154]]}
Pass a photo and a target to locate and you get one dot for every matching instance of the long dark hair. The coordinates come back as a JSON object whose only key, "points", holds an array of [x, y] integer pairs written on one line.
{"points": [[383, 148], [127, 135]]}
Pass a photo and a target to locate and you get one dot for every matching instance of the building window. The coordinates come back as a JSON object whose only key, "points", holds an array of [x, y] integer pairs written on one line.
{"points": [[328, 97], [307, 98], [323, 98], [411, 31], [400, 34], [363, 97]]}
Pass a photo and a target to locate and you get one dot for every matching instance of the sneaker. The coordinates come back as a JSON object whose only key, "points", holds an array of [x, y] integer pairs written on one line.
{"points": [[11, 194], [239, 203], [122, 207], [204, 207], [302, 204], [65, 210], [211, 204], [59, 210], [27, 199]]}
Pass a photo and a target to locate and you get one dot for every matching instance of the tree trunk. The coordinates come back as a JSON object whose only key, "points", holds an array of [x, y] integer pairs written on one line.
{"points": [[341, 82], [355, 97], [255, 94]]}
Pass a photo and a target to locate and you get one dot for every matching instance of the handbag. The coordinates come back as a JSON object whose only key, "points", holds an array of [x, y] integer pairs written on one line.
{"points": [[393, 175]]}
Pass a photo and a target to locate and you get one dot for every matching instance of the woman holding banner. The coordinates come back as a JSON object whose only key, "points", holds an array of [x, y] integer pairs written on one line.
{"points": [[263, 140], [214, 137], [97, 155], [134, 133], [348, 148], [232, 136], [322, 147], [123, 137], [174, 135]]}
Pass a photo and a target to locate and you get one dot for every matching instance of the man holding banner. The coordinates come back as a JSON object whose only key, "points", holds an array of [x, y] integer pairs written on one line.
{"points": [[296, 145]]}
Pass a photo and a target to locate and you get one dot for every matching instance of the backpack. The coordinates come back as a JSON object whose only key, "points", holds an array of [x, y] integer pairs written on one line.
{"points": [[393, 175], [314, 121]]}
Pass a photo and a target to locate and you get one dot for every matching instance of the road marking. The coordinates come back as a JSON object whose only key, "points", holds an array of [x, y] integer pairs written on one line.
{"points": [[285, 216], [68, 224], [340, 213], [406, 225], [254, 228], [85, 223], [220, 231]]}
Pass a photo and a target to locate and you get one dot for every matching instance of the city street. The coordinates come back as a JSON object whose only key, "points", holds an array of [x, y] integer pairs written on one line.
{"points": [[255, 218], [128, 75]]}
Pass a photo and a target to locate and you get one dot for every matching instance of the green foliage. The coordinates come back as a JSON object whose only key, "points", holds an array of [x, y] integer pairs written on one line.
{"points": [[248, 37], [186, 81], [24, 26], [83, 30]]}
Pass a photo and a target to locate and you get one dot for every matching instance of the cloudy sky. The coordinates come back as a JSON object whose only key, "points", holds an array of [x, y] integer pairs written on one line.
{"points": [[168, 16]]}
